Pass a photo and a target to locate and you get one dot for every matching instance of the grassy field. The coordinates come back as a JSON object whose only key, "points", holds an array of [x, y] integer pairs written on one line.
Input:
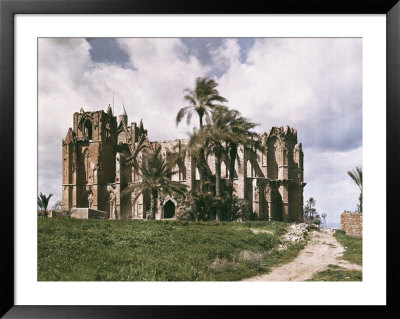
{"points": [[336, 273], [104, 250], [352, 245]]}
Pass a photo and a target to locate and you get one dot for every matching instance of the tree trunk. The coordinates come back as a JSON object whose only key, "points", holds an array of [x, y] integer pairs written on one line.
{"points": [[153, 204], [232, 154], [201, 166], [200, 163], [218, 184]]}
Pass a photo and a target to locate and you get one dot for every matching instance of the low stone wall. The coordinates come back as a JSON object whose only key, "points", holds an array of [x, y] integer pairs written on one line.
{"points": [[351, 224], [86, 213]]}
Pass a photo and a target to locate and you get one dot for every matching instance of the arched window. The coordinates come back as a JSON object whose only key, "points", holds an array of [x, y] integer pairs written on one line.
{"points": [[182, 171], [249, 170], [87, 130], [224, 173]]}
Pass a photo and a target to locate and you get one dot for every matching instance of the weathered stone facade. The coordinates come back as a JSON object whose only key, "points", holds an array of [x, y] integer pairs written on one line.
{"points": [[97, 165], [351, 224]]}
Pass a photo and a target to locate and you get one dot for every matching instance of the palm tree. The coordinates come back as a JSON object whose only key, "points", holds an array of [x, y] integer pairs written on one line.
{"points": [[214, 137], [201, 101], [237, 131], [324, 215], [356, 176], [135, 150], [222, 135], [43, 202], [310, 211], [240, 133], [155, 180]]}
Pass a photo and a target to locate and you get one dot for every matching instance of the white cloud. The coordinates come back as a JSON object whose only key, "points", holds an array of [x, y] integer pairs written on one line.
{"points": [[327, 181], [299, 82], [227, 55]]}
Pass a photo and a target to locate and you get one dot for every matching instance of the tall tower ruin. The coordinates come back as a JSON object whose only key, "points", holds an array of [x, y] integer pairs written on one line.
{"points": [[282, 166], [88, 159]]}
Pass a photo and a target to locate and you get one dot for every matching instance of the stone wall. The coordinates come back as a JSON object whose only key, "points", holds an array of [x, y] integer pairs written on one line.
{"points": [[351, 224], [86, 213]]}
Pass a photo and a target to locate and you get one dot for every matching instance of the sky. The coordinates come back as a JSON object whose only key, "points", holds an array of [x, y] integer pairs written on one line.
{"points": [[311, 84]]}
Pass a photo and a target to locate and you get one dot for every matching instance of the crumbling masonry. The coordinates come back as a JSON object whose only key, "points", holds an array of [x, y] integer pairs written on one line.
{"points": [[97, 165]]}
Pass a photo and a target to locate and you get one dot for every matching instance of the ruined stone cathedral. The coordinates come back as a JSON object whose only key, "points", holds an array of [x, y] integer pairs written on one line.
{"points": [[97, 164]]}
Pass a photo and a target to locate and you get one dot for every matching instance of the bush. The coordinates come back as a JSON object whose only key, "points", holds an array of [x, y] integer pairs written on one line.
{"points": [[240, 210], [197, 206], [43, 213], [201, 206]]}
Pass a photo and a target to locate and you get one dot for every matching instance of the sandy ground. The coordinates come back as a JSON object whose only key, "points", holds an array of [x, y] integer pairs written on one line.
{"points": [[322, 250]]}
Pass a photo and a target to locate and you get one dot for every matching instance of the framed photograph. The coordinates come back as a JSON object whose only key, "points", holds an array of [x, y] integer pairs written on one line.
{"points": [[261, 121]]}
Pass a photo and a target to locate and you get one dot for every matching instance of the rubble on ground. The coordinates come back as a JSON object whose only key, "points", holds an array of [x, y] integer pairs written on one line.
{"points": [[296, 232], [282, 247]]}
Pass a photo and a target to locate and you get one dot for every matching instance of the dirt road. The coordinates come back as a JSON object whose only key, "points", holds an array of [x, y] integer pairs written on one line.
{"points": [[322, 250]]}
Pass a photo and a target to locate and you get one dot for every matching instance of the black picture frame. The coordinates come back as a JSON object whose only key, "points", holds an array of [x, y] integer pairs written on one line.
{"points": [[8, 8]]}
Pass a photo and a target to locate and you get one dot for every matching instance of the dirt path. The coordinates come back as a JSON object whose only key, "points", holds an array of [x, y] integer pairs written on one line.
{"points": [[322, 250]]}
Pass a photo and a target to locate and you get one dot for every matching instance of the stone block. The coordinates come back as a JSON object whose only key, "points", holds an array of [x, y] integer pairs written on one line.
{"points": [[86, 213]]}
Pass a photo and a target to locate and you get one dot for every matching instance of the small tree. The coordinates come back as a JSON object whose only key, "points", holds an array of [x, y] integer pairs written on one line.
{"points": [[324, 215], [309, 212], [43, 202], [317, 219], [356, 176], [57, 205]]}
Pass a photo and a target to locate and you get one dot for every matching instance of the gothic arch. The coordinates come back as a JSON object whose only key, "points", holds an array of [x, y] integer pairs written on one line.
{"points": [[87, 129], [224, 169], [273, 149], [277, 205], [86, 165], [86, 116], [167, 198], [249, 168], [295, 202], [169, 207], [182, 170], [85, 122], [284, 155]]}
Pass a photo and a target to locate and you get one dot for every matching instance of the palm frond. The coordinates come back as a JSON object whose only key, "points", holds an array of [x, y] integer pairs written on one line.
{"points": [[181, 114], [43, 200], [356, 176], [138, 187], [191, 99]]}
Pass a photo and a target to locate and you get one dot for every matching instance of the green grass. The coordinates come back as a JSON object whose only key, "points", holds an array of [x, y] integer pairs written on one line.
{"points": [[352, 245], [104, 250], [336, 273]]}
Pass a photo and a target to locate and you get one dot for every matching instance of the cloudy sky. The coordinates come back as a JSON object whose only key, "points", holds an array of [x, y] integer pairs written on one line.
{"points": [[312, 84]]}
